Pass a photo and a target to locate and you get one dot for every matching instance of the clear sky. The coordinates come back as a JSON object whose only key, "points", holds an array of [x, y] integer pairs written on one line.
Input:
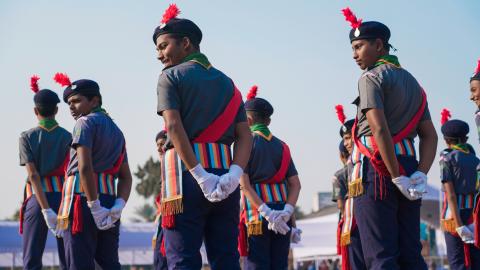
{"points": [[297, 52]]}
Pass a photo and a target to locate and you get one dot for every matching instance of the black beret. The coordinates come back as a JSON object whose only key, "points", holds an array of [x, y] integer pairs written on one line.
{"points": [[178, 26], [83, 87], [46, 97], [259, 105], [455, 129], [161, 135], [370, 30], [342, 148], [347, 127]]}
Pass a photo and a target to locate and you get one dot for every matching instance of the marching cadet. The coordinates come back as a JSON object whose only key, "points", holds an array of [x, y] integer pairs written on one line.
{"points": [[270, 189], [204, 115], [475, 94], [44, 153], [349, 245], [159, 256], [458, 173], [98, 180], [391, 111]]}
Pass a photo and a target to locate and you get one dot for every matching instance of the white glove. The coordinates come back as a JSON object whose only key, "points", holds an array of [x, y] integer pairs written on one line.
{"points": [[296, 236], [403, 183], [207, 182], [287, 212], [419, 181], [101, 215], [465, 234], [117, 208], [50, 219], [228, 182], [278, 225]]}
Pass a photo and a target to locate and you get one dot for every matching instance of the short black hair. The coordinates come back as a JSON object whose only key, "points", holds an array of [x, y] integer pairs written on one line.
{"points": [[259, 117], [91, 96], [46, 110], [451, 140], [386, 45]]}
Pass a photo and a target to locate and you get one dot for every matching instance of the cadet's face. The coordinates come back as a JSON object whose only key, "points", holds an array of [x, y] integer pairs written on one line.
{"points": [[475, 92], [348, 142], [170, 50], [80, 105], [365, 53], [160, 144]]}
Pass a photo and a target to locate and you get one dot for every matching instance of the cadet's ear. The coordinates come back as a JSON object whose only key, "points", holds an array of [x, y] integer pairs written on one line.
{"points": [[249, 120], [35, 110]]}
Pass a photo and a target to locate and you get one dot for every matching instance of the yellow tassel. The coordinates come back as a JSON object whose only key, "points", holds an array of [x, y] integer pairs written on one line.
{"points": [[355, 188], [345, 239], [62, 222], [254, 228], [172, 206], [154, 242], [448, 225]]}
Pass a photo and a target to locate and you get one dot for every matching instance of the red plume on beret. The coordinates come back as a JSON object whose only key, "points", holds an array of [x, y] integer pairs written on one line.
{"points": [[340, 113], [62, 79], [252, 93], [350, 17], [445, 116], [477, 70], [171, 12], [34, 83]]}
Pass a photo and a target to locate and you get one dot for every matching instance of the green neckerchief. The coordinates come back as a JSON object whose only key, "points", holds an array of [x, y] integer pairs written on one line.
{"points": [[388, 59], [100, 109], [262, 130], [48, 124], [462, 147], [199, 58]]}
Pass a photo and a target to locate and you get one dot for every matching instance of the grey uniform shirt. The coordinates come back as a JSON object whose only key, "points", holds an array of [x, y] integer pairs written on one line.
{"points": [[460, 169], [200, 95], [393, 90], [98, 132], [46, 149], [265, 159], [340, 184]]}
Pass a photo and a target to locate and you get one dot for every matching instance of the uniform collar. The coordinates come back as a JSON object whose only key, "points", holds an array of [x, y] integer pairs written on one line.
{"points": [[48, 124]]}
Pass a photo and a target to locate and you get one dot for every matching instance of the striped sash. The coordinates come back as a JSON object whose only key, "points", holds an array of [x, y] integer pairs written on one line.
{"points": [[405, 147], [210, 156], [464, 201], [268, 193], [106, 184], [49, 184], [348, 223]]}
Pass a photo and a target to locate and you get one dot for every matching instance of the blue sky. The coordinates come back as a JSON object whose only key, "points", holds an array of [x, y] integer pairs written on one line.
{"points": [[298, 54]]}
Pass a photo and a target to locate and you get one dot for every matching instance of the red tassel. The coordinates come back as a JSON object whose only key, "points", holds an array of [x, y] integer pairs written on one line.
{"points": [[350, 17], [242, 236], [22, 213], [345, 259], [340, 113], [34, 83], [77, 225], [339, 236], [466, 251], [476, 224], [252, 93], [171, 12], [162, 248], [445, 116], [168, 221], [62, 79], [477, 70]]}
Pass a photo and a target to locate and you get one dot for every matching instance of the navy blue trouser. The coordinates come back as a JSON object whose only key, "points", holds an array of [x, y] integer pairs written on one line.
{"points": [[92, 245], [35, 232], [355, 253], [455, 251], [268, 251], [201, 220], [159, 262], [389, 227]]}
